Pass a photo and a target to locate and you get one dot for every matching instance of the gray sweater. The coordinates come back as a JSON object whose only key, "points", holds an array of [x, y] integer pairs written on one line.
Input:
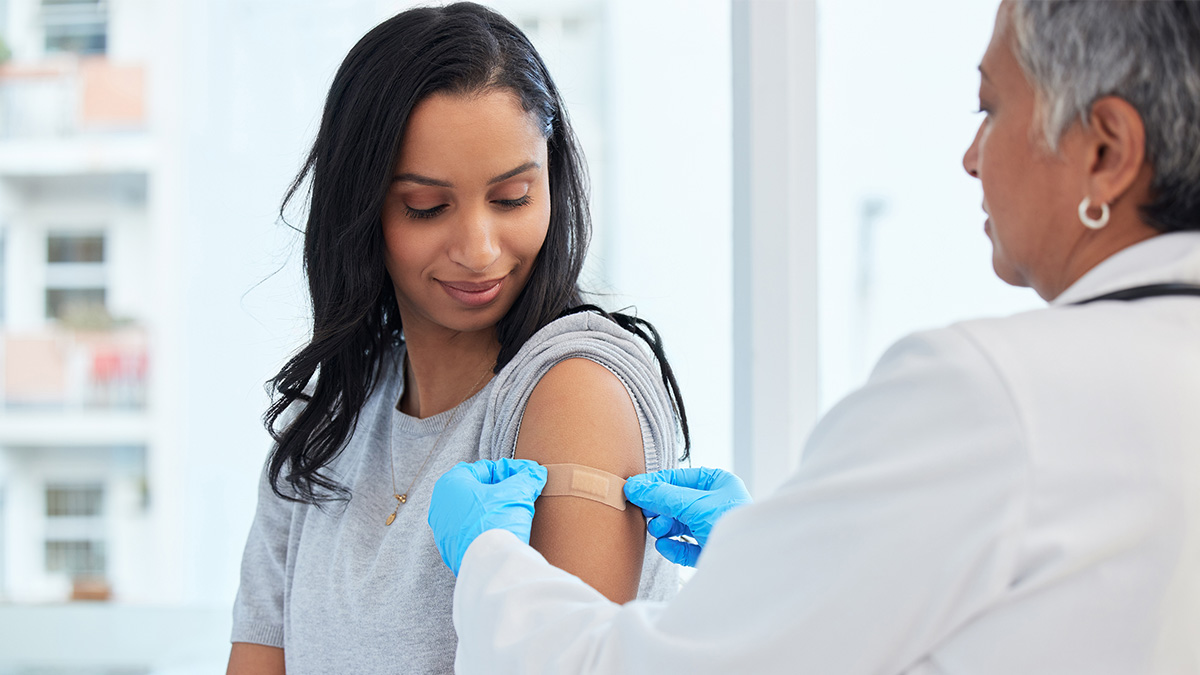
{"points": [[342, 593]]}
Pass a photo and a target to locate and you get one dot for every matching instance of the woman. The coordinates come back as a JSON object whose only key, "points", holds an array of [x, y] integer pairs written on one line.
{"points": [[1016, 495], [447, 226]]}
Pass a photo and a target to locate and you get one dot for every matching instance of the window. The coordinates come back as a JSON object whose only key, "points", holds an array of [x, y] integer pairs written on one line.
{"points": [[75, 248], [75, 275], [75, 529], [78, 26], [74, 501], [65, 302], [900, 227], [76, 558]]}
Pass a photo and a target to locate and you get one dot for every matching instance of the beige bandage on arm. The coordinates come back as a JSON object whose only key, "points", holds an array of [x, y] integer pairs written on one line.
{"points": [[577, 480]]}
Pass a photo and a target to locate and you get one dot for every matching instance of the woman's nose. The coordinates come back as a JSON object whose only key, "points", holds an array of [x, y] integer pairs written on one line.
{"points": [[475, 246]]}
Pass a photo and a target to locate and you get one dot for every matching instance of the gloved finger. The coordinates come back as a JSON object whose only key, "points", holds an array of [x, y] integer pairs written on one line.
{"points": [[490, 472], [696, 477], [504, 468], [460, 476], [678, 552], [483, 470], [524, 483], [663, 498], [664, 526]]}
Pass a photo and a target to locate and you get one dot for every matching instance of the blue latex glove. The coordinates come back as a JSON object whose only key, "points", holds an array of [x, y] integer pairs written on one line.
{"points": [[470, 499], [685, 502]]}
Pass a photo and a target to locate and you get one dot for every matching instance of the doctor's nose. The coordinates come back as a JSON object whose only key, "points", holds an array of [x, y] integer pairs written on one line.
{"points": [[970, 159], [475, 245]]}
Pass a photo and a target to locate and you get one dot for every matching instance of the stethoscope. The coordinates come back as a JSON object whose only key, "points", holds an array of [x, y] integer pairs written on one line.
{"points": [[1151, 291]]}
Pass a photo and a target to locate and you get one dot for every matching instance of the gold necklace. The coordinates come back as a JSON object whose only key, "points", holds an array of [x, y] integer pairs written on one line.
{"points": [[402, 497]]}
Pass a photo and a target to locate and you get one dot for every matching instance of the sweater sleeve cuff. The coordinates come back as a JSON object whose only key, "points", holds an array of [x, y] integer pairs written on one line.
{"points": [[266, 634]]}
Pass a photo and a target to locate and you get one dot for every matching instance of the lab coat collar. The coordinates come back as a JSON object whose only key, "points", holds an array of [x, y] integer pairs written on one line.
{"points": [[1171, 257]]}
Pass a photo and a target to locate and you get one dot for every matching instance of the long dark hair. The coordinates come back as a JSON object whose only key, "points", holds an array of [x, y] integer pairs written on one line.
{"points": [[461, 48]]}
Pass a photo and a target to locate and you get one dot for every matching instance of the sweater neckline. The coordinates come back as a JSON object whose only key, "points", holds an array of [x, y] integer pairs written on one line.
{"points": [[434, 424]]}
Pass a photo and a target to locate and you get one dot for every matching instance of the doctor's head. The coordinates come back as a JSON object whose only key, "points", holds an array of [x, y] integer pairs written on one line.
{"points": [[1090, 140], [447, 188]]}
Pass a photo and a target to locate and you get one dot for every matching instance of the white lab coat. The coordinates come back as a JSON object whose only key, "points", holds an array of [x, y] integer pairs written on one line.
{"points": [[1016, 495]]}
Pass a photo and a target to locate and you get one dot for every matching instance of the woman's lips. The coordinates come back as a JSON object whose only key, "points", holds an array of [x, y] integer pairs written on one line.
{"points": [[473, 293]]}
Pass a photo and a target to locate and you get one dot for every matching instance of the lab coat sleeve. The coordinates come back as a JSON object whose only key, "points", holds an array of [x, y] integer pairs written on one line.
{"points": [[902, 524]]}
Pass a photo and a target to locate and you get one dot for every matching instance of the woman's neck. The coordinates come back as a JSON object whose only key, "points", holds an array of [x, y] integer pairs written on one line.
{"points": [[445, 368]]}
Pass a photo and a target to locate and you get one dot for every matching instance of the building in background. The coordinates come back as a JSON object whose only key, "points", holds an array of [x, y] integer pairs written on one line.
{"points": [[75, 407]]}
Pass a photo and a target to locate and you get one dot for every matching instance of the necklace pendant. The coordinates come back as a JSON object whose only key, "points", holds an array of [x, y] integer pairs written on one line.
{"points": [[400, 499]]}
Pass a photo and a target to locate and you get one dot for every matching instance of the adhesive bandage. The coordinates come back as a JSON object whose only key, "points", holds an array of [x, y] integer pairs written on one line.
{"points": [[577, 480]]}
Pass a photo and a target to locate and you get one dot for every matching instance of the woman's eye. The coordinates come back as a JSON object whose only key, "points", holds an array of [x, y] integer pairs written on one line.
{"points": [[424, 213], [515, 203]]}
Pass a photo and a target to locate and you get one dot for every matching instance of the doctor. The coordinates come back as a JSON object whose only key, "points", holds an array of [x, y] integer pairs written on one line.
{"points": [[1016, 495]]}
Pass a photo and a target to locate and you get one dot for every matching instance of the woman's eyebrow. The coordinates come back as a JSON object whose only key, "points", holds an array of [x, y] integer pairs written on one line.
{"points": [[434, 182], [519, 170], [420, 180]]}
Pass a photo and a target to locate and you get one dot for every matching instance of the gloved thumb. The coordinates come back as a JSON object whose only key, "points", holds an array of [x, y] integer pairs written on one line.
{"points": [[661, 498], [490, 472], [665, 526], [678, 552]]}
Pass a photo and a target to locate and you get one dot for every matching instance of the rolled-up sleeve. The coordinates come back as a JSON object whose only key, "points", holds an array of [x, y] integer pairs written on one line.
{"points": [[588, 336]]}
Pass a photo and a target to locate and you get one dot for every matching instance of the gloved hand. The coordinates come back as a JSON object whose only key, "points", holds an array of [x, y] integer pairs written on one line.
{"points": [[685, 502], [470, 499]]}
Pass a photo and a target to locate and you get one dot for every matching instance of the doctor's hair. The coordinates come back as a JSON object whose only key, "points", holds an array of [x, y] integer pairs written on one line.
{"points": [[461, 49], [1146, 52]]}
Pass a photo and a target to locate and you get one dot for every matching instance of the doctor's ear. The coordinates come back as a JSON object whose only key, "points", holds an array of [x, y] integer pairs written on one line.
{"points": [[1116, 136]]}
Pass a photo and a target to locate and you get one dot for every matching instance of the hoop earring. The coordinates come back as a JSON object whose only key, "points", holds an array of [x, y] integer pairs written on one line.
{"points": [[1088, 221]]}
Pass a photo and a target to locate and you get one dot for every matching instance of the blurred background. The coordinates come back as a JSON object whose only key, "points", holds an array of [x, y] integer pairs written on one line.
{"points": [[148, 287]]}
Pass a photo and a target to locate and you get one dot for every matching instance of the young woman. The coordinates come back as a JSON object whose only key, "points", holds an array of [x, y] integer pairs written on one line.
{"points": [[447, 226]]}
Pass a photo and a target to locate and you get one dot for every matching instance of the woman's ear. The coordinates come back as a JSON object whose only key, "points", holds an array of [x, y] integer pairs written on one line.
{"points": [[1118, 139]]}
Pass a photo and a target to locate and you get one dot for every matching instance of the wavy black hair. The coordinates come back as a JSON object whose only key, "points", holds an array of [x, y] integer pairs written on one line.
{"points": [[462, 49]]}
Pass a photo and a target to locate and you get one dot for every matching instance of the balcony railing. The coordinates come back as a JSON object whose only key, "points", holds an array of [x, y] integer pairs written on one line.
{"points": [[60, 369], [69, 97]]}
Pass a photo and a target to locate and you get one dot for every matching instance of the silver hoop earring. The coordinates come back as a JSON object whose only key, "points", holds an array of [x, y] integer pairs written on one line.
{"points": [[1088, 221]]}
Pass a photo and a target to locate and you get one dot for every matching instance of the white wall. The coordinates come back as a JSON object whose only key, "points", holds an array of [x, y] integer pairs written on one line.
{"points": [[129, 22]]}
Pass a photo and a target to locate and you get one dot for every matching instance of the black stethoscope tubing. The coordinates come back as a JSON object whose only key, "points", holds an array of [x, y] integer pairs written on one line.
{"points": [[1150, 291]]}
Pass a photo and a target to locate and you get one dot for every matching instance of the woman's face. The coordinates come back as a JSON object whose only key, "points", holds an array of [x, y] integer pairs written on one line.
{"points": [[1029, 192], [467, 211]]}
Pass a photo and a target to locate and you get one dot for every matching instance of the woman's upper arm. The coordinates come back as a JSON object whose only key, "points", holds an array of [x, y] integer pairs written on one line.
{"points": [[246, 658], [581, 413]]}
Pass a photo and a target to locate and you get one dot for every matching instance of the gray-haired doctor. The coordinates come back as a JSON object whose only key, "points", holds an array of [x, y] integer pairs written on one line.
{"points": [[1014, 495]]}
